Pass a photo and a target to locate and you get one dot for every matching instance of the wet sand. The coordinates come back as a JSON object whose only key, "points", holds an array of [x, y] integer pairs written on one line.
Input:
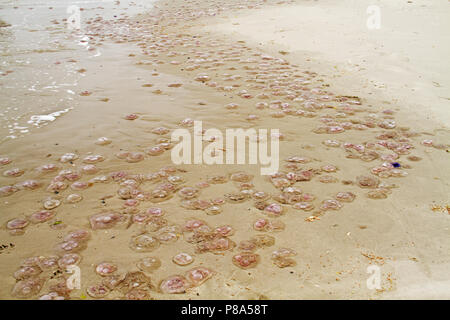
{"points": [[404, 234]]}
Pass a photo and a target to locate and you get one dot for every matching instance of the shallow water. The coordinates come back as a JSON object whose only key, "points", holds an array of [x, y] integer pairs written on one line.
{"points": [[38, 85]]}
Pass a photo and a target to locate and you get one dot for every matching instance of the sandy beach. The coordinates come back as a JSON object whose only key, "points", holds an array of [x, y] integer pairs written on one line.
{"points": [[359, 207]]}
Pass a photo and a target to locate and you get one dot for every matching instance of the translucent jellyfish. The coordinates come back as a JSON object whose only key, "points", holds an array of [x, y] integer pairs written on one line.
{"points": [[41, 216], [70, 246], [4, 161], [247, 246], [379, 193], [213, 210], [305, 206], [28, 287], [68, 157], [263, 240], [274, 209], [167, 237], [217, 179], [133, 280], [134, 157], [174, 284], [105, 269], [215, 245], [93, 159], [107, 220], [103, 141], [236, 197], [79, 185], [78, 235], [330, 204], [155, 151], [241, 176], [199, 275], [224, 231], [98, 290], [367, 181], [29, 184], [50, 204], [183, 259], [281, 257], [131, 116], [144, 243], [52, 296], [192, 225], [27, 272], [149, 264], [17, 226], [246, 260], [7, 191], [137, 294], [16, 172], [188, 192], [48, 263], [69, 259], [345, 196]]}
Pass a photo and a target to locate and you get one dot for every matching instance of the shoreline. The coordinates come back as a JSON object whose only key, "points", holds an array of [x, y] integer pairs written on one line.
{"points": [[333, 252]]}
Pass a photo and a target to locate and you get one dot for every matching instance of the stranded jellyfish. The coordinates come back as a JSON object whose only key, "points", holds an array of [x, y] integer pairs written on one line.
{"points": [[273, 209], [188, 192], [133, 280], [29, 184], [93, 159], [246, 260], [213, 210], [144, 243], [174, 284], [27, 272], [16, 172], [106, 220], [224, 231], [199, 275], [131, 116], [69, 259], [98, 290], [263, 240], [78, 235], [4, 161], [268, 225], [241, 177], [69, 246], [7, 191], [51, 296], [148, 264], [105, 269], [17, 226], [305, 206], [218, 179], [367, 182], [134, 157], [68, 157], [103, 141], [41, 216], [183, 259], [330, 204], [28, 287], [73, 198], [50, 204], [345, 196], [281, 257]]}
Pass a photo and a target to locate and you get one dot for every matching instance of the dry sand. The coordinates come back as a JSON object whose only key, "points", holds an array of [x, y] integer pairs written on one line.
{"points": [[401, 234]]}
